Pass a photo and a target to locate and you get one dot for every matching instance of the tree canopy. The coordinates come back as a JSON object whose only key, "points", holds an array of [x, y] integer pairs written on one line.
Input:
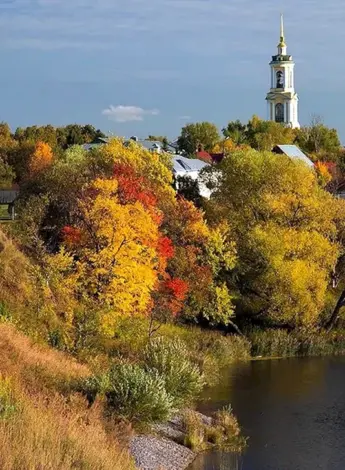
{"points": [[203, 135], [284, 226]]}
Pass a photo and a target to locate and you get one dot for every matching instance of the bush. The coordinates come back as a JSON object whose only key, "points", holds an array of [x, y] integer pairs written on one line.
{"points": [[138, 395], [227, 431], [171, 361], [211, 350]]}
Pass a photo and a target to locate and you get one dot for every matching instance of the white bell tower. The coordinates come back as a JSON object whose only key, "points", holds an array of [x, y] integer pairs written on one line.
{"points": [[282, 99]]}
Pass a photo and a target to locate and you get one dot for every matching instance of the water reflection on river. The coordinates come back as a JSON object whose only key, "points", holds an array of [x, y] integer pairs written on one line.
{"points": [[292, 410]]}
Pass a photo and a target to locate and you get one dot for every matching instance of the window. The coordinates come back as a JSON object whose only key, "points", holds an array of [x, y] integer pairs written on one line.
{"points": [[279, 112], [280, 79]]}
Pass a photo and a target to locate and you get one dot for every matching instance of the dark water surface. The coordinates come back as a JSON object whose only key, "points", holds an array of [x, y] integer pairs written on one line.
{"points": [[292, 410]]}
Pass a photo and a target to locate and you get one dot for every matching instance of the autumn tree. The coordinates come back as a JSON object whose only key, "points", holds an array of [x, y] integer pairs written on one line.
{"points": [[202, 256], [323, 174], [259, 134], [285, 230], [200, 134], [41, 158], [154, 168], [115, 249]]}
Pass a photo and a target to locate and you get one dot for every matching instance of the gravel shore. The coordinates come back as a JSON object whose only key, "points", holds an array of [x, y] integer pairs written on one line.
{"points": [[159, 453]]}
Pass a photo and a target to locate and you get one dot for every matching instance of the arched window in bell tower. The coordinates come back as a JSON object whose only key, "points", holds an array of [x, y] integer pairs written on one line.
{"points": [[280, 79], [279, 112]]}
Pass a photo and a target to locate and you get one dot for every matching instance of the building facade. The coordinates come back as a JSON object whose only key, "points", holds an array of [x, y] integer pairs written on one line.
{"points": [[282, 99]]}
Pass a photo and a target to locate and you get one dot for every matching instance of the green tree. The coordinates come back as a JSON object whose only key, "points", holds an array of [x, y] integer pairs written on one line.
{"points": [[264, 135], [319, 140], [236, 131], [19, 157], [58, 137], [6, 175], [200, 134], [156, 138]]}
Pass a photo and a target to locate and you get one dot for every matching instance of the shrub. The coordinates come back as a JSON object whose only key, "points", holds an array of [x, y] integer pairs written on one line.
{"points": [[138, 395], [171, 361], [5, 315], [228, 349], [211, 350]]}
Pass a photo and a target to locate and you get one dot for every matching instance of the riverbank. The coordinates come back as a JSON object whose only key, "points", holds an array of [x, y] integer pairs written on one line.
{"points": [[174, 445]]}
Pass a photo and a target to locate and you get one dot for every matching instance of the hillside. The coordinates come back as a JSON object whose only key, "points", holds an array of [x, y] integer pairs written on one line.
{"points": [[43, 424]]}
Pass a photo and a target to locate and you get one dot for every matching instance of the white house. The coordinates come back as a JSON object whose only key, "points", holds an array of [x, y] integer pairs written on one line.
{"points": [[190, 167]]}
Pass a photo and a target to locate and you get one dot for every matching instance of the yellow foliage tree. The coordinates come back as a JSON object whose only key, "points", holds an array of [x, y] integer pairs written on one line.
{"points": [[116, 252], [298, 264], [285, 228]]}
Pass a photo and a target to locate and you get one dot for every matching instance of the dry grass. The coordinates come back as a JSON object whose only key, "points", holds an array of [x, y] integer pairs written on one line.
{"points": [[16, 275], [53, 435], [42, 429], [20, 352], [222, 433]]}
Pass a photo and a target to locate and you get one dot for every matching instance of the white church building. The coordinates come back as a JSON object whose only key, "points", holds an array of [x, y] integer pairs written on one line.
{"points": [[282, 99]]}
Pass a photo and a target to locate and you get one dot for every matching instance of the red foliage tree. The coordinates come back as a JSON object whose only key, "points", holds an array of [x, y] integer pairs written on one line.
{"points": [[71, 236]]}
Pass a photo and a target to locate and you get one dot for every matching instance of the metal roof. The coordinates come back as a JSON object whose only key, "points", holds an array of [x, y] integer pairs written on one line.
{"points": [[293, 151], [8, 196], [91, 146], [183, 164]]}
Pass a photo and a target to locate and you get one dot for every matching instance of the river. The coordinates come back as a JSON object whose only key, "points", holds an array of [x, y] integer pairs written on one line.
{"points": [[292, 410]]}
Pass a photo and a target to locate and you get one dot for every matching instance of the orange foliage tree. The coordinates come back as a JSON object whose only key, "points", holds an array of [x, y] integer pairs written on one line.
{"points": [[41, 158]]}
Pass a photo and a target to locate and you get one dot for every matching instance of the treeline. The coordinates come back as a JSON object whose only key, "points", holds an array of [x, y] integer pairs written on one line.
{"points": [[266, 249], [17, 148], [111, 237], [317, 140]]}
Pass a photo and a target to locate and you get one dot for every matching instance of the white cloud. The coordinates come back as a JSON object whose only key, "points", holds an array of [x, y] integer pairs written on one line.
{"points": [[122, 113]]}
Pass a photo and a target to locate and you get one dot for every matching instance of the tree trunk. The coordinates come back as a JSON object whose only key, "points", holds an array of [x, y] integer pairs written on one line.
{"points": [[236, 328], [335, 314]]}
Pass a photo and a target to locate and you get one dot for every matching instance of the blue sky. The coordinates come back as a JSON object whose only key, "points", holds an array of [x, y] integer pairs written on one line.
{"points": [[150, 66]]}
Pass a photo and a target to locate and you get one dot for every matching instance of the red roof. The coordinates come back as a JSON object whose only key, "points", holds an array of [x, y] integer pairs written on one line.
{"points": [[204, 156], [209, 157]]}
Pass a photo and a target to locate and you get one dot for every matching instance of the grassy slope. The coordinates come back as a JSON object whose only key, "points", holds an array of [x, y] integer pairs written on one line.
{"points": [[43, 423], [42, 426]]}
